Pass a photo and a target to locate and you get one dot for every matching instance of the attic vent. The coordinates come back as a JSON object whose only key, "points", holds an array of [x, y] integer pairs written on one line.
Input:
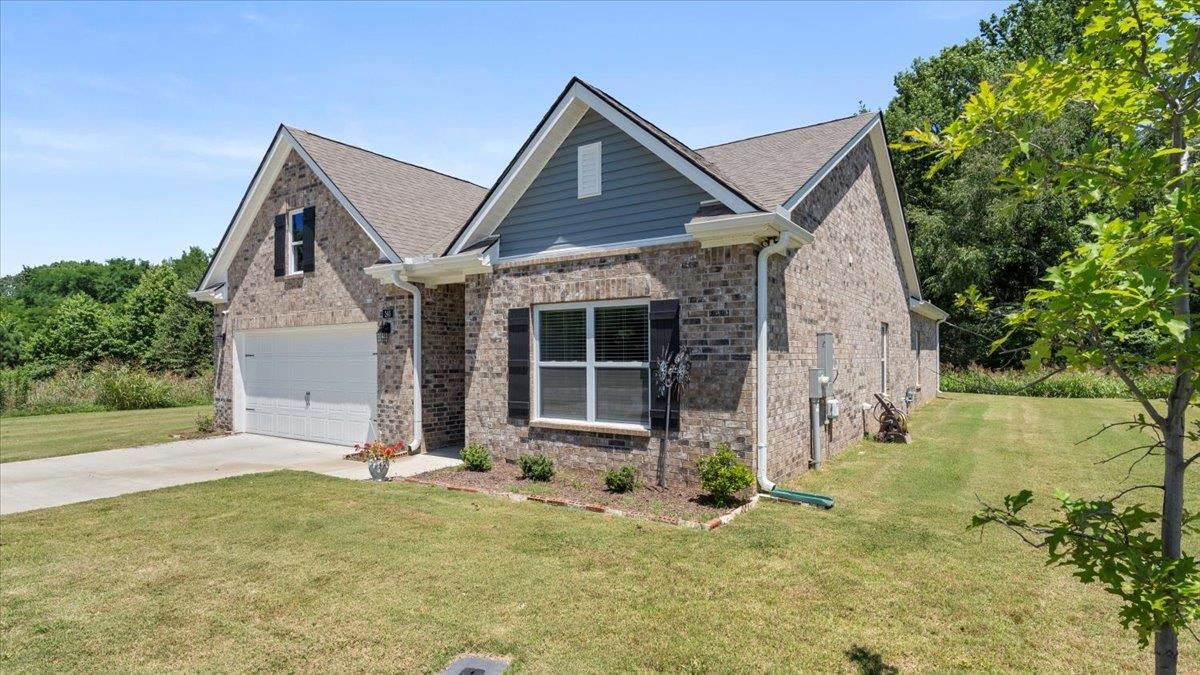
{"points": [[589, 170]]}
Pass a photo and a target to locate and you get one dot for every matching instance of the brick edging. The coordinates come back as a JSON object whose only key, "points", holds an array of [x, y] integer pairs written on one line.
{"points": [[596, 508]]}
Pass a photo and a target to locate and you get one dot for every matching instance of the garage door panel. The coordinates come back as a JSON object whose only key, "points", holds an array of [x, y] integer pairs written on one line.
{"points": [[335, 367]]}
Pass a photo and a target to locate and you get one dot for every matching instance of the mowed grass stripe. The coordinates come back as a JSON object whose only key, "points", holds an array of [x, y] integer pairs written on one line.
{"points": [[39, 436]]}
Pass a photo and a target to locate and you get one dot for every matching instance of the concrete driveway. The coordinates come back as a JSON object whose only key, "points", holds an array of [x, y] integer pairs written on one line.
{"points": [[54, 481]]}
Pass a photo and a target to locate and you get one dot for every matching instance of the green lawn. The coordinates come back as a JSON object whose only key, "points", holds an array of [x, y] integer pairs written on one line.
{"points": [[52, 435], [292, 571]]}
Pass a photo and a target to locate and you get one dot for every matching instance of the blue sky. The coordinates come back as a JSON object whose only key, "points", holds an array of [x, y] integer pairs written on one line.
{"points": [[133, 129]]}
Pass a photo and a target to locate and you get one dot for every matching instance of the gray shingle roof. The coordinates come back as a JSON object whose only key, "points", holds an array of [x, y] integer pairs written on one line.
{"points": [[416, 210], [770, 168]]}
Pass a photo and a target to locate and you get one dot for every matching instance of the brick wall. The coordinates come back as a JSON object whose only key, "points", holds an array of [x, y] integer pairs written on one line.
{"points": [[338, 291], [847, 282], [716, 292]]}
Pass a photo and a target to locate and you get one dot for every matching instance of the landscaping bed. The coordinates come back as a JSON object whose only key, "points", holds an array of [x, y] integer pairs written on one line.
{"points": [[584, 488]]}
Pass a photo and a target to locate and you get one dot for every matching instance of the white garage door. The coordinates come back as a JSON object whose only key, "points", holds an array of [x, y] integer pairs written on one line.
{"points": [[316, 384]]}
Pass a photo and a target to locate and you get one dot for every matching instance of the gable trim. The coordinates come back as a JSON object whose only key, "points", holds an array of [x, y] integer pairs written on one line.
{"points": [[566, 112], [874, 131], [814, 180], [256, 193]]}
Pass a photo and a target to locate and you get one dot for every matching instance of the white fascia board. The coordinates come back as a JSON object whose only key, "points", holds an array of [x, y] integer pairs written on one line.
{"points": [[250, 204], [595, 250], [814, 180], [431, 272], [528, 165], [873, 131], [927, 309], [550, 137], [664, 152], [215, 297], [383, 246], [745, 228], [891, 193], [260, 186]]}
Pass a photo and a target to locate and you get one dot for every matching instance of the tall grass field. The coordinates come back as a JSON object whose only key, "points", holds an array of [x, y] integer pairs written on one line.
{"points": [[106, 387], [1067, 384]]}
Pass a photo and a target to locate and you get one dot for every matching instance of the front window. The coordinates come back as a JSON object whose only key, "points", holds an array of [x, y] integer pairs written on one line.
{"points": [[593, 362], [295, 242]]}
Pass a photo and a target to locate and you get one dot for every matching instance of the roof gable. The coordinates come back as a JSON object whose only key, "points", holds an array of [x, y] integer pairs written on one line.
{"points": [[641, 197], [575, 100], [403, 208]]}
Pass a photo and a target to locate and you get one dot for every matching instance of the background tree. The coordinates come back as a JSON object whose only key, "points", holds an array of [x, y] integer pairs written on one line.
{"points": [[1135, 74], [966, 230], [182, 339], [140, 311], [11, 340], [77, 332]]}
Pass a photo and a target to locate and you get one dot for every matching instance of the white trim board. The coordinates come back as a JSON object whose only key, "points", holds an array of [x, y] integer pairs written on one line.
{"points": [[873, 130], [574, 103], [253, 200]]}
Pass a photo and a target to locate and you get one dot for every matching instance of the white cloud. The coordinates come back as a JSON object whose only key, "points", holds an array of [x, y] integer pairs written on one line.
{"points": [[37, 148]]}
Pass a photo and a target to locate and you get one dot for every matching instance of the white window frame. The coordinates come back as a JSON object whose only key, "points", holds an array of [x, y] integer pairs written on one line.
{"points": [[590, 364], [918, 335], [883, 357], [292, 269], [585, 192]]}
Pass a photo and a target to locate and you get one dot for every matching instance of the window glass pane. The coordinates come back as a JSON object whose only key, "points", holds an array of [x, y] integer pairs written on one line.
{"points": [[562, 335], [563, 393], [298, 226], [622, 333], [297, 257], [623, 395]]}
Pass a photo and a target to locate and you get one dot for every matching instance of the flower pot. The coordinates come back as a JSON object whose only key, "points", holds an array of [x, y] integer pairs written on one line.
{"points": [[378, 469]]}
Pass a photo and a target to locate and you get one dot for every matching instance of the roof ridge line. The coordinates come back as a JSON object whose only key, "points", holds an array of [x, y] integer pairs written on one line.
{"points": [[383, 156], [784, 131]]}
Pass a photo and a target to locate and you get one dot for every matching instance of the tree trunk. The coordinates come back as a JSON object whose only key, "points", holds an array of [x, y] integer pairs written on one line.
{"points": [[1166, 641]]}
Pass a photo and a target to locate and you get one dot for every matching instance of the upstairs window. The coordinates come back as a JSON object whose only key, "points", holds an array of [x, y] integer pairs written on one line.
{"points": [[589, 170], [295, 242], [593, 362]]}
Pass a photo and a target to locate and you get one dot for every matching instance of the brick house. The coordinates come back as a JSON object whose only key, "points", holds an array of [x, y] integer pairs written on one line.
{"points": [[531, 315]]}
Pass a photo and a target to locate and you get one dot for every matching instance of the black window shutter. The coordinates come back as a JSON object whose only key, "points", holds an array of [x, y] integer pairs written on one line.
{"points": [[308, 245], [280, 245], [664, 336], [518, 365]]}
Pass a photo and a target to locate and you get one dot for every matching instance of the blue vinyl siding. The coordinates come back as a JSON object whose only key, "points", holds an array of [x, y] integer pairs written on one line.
{"points": [[642, 197]]}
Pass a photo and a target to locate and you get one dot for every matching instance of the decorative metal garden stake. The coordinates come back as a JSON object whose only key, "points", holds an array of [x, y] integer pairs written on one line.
{"points": [[672, 374]]}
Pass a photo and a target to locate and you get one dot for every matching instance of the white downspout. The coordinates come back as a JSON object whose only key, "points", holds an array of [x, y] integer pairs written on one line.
{"points": [[418, 428], [765, 484]]}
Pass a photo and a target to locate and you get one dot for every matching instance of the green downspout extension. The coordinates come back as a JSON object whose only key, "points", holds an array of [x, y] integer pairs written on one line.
{"points": [[802, 498]]}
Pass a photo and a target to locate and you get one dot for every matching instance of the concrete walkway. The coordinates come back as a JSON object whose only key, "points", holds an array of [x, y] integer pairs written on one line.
{"points": [[54, 481]]}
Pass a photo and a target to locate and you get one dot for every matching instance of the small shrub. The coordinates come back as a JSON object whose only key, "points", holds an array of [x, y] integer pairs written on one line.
{"points": [[205, 423], [722, 475], [475, 458], [621, 480], [536, 467]]}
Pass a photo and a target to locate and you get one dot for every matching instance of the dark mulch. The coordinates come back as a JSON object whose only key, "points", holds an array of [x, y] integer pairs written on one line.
{"points": [[587, 487]]}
